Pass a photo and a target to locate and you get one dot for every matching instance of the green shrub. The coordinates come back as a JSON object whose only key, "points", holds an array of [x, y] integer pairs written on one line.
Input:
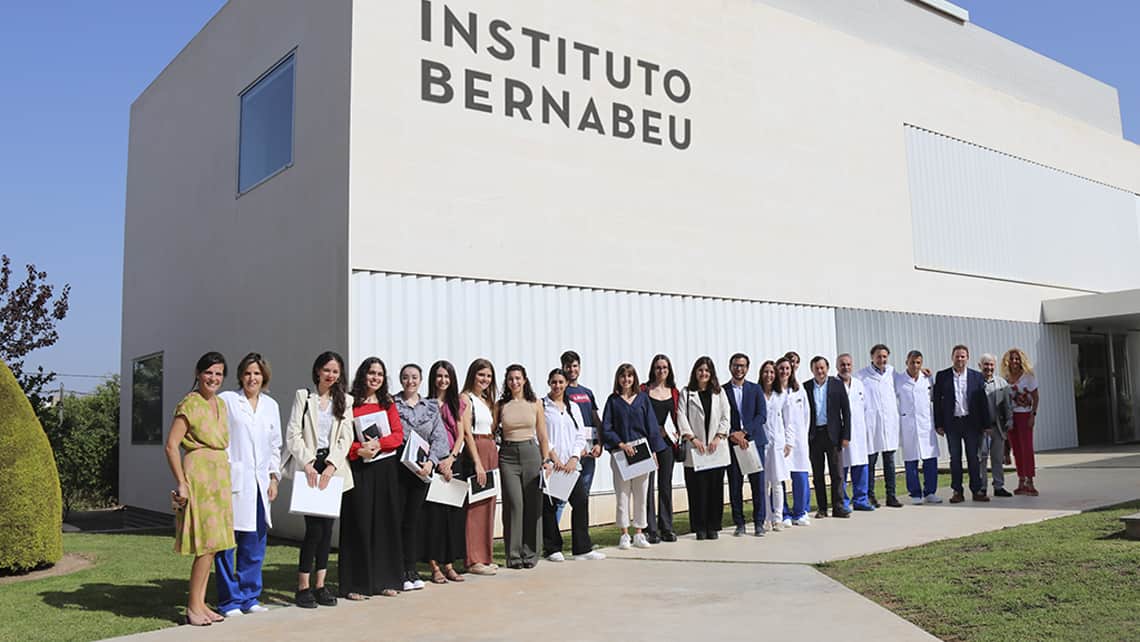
{"points": [[30, 503], [84, 436]]}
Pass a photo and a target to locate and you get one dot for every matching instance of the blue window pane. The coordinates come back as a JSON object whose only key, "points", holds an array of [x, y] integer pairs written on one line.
{"points": [[266, 126]]}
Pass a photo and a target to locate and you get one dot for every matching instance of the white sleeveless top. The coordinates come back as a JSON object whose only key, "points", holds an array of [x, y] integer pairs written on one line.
{"points": [[480, 417]]}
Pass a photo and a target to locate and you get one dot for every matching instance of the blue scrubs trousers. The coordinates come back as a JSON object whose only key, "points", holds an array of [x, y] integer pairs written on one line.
{"points": [[859, 484], [239, 585], [800, 503], [929, 484]]}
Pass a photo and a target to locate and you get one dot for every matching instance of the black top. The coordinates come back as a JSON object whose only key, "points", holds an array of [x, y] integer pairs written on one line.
{"points": [[706, 403], [661, 408]]}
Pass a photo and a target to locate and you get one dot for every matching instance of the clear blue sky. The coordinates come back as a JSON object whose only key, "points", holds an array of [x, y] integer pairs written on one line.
{"points": [[69, 71]]}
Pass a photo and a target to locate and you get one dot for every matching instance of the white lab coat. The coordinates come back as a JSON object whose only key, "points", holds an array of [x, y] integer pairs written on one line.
{"points": [[859, 447], [883, 409], [796, 414], [916, 417], [775, 465], [254, 453]]}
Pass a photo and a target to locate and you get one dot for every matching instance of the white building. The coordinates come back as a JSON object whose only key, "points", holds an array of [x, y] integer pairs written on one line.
{"points": [[463, 178]]}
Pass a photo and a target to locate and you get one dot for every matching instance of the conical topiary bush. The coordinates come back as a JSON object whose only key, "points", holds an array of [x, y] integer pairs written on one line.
{"points": [[30, 503]]}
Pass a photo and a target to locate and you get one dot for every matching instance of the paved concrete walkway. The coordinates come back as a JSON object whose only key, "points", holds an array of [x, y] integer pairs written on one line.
{"points": [[730, 589]]}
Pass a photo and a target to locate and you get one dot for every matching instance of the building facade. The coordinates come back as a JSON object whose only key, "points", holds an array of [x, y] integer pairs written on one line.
{"points": [[427, 179]]}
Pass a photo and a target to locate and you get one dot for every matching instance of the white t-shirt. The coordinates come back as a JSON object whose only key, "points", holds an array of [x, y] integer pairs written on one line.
{"points": [[1020, 391]]}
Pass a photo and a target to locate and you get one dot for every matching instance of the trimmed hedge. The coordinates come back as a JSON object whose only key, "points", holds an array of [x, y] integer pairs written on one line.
{"points": [[31, 508]]}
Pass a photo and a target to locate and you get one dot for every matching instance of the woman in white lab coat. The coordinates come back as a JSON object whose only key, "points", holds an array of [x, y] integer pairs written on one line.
{"points": [[255, 465], [795, 415], [775, 462], [917, 434]]}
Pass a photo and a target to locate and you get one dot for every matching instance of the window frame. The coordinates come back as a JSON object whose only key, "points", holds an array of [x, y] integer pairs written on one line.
{"points": [[136, 440], [290, 56]]}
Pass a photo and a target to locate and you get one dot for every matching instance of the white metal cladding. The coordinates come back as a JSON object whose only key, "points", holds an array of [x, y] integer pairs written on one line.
{"points": [[1048, 348], [418, 319], [981, 212]]}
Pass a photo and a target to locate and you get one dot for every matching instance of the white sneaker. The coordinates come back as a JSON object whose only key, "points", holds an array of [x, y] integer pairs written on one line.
{"points": [[933, 499], [417, 584], [592, 555], [556, 557], [787, 522], [232, 613], [640, 541], [624, 542], [917, 501], [256, 608], [409, 586], [803, 521]]}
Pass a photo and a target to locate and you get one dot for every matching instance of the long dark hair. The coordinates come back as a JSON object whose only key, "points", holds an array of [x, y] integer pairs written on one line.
{"points": [[793, 385], [528, 392], [651, 376], [714, 384], [204, 363], [625, 368], [336, 391], [360, 384], [469, 383], [775, 380], [451, 395]]}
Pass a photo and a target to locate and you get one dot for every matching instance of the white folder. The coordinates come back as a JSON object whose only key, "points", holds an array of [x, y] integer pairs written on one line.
{"points": [[451, 493], [374, 425], [415, 449], [671, 429], [314, 501], [560, 484], [748, 459], [718, 459], [478, 494], [627, 470]]}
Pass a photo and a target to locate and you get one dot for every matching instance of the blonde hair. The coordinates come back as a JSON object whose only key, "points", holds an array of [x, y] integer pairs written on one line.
{"points": [[1026, 365]]}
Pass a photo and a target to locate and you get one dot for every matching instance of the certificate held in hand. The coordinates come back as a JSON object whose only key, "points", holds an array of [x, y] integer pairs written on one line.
{"points": [[314, 501], [748, 459], [374, 425], [415, 454], [640, 463], [451, 493], [478, 492], [560, 484], [718, 459]]}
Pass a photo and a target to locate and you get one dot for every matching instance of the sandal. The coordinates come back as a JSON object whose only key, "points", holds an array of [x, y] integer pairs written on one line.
{"points": [[452, 575], [389, 593], [437, 576], [355, 597]]}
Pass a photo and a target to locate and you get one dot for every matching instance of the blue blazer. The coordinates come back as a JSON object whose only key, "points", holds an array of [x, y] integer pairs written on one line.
{"points": [[625, 422], [753, 409], [838, 410], [978, 408]]}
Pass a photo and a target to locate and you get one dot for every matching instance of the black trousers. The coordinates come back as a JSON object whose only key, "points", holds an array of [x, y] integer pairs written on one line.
{"points": [[821, 450], [706, 498], [318, 531], [371, 552], [659, 512], [580, 542], [888, 473], [413, 493]]}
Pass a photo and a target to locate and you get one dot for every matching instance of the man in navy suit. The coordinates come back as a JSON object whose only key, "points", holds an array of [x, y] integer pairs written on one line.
{"points": [[829, 431], [962, 414], [749, 414]]}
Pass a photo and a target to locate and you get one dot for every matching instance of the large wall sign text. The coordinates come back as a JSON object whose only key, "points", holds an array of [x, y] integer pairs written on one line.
{"points": [[517, 99]]}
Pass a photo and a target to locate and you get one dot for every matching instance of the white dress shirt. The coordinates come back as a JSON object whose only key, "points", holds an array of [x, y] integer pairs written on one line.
{"points": [[961, 407]]}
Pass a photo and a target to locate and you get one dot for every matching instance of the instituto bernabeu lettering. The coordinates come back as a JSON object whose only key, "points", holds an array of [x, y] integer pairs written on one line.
{"points": [[483, 92]]}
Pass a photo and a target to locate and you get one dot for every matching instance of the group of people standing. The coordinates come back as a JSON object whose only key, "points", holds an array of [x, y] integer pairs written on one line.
{"points": [[235, 457]]}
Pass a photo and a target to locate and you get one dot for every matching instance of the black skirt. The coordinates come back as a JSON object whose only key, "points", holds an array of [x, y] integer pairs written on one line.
{"points": [[443, 532], [371, 551]]}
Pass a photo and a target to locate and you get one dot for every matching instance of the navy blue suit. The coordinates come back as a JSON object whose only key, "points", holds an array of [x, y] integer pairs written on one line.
{"points": [[750, 418], [966, 430]]}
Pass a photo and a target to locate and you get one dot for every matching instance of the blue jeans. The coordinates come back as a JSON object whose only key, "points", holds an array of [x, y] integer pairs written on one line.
{"points": [[239, 584], [800, 503], [929, 485]]}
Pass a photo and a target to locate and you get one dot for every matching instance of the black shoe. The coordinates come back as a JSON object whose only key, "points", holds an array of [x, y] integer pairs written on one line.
{"points": [[1001, 492], [894, 502], [841, 513], [305, 599], [515, 565], [875, 502], [862, 507], [702, 535], [739, 532], [653, 538], [528, 564], [324, 596], [714, 534], [981, 497], [668, 536], [820, 514]]}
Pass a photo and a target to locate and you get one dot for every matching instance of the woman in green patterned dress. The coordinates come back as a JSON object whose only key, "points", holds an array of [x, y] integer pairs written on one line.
{"points": [[203, 510]]}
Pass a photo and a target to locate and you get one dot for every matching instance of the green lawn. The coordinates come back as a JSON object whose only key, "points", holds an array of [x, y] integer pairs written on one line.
{"points": [[1073, 578], [138, 584]]}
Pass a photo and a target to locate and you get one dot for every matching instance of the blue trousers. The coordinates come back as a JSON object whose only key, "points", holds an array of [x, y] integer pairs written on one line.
{"points": [[800, 502], [929, 485], [859, 483], [736, 492], [239, 585]]}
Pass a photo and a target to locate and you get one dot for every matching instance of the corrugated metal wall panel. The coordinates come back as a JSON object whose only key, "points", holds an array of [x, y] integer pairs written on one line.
{"points": [[1047, 345], [981, 212], [403, 318]]}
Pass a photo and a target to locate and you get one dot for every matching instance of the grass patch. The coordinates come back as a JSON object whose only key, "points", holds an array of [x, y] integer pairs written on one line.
{"points": [[1072, 578]]}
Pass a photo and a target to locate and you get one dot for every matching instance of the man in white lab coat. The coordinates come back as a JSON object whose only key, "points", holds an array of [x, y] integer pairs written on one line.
{"points": [[917, 434], [883, 421], [856, 455]]}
